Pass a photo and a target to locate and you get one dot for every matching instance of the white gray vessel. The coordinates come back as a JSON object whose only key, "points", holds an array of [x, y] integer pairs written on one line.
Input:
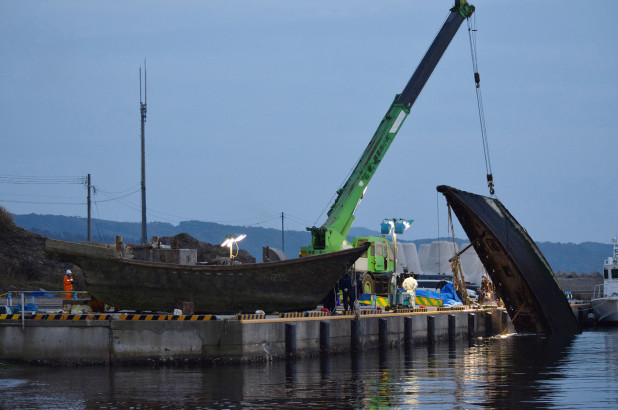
{"points": [[605, 297]]}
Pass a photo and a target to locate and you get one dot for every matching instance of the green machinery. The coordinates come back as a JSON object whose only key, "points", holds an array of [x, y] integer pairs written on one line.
{"points": [[332, 235]]}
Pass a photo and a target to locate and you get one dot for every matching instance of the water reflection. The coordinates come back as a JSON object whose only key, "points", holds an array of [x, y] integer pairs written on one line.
{"points": [[497, 373], [523, 365]]}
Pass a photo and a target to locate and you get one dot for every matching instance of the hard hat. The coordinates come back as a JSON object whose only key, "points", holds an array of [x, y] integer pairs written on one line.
{"points": [[69, 271]]}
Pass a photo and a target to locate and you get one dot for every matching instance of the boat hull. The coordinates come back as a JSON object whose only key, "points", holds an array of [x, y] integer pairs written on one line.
{"points": [[281, 286], [606, 309], [516, 266]]}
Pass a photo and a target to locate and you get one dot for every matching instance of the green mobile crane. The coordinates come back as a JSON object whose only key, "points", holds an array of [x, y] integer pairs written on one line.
{"points": [[332, 235]]}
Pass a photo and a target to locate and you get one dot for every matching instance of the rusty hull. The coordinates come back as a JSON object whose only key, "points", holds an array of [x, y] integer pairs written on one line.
{"points": [[516, 266]]}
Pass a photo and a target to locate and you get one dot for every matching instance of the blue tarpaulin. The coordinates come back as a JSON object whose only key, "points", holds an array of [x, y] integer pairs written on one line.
{"points": [[447, 294], [39, 294], [28, 307]]}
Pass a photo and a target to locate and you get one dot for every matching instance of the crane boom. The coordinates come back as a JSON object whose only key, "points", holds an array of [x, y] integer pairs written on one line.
{"points": [[332, 234]]}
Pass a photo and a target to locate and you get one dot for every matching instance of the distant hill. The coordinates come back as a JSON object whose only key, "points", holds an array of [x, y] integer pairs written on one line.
{"points": [[75, 229], [569, 257]]}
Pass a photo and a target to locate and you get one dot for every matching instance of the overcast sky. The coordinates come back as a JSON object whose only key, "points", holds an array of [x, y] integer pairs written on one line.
{"points": [[262, 107]]}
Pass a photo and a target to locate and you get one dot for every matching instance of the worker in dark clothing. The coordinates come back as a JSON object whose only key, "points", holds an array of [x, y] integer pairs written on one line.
{"points": [[349, 294]]}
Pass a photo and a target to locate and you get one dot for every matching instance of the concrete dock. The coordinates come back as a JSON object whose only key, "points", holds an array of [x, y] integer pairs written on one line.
{"points": [[112, 339]]}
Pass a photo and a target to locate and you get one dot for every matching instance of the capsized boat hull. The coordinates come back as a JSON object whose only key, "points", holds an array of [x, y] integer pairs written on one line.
{"points": [[281, 286], [516, 266]]}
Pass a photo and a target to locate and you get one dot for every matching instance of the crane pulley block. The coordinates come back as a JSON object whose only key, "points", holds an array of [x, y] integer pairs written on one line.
{"points": [[464, 9]]}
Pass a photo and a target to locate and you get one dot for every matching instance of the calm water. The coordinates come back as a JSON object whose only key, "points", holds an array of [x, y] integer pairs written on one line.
{"points": [[578, 372]]}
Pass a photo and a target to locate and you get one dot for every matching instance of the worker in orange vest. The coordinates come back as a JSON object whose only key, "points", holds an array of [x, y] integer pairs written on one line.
{"points": [[68, 283]]}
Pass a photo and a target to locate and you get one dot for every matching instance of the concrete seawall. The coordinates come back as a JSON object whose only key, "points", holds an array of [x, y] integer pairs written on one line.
{"points": [[581, 287], [113, 341]]}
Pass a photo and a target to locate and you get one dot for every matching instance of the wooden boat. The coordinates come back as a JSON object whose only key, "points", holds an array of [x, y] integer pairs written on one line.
{"points": [[516, 266], [282, 286]]}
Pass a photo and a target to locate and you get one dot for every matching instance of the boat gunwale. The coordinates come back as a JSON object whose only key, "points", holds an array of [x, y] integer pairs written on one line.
{"points": [[212, 267]]}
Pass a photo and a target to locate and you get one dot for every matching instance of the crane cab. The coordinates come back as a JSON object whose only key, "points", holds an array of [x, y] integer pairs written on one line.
{"points": [[373, 268]]}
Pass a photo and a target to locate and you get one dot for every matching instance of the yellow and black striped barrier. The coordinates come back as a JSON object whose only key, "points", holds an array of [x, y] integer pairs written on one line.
{"points": [[7, 316], [56, 316], [370, 312], [291, 315], [449, 308], [251, 316], [77, 317], [294, 315], [66, 316], [316, 314], [411, 310], [167, 317]]}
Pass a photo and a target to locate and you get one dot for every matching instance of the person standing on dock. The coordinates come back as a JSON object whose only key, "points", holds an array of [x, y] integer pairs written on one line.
{"points": [[349, 293], [67, 282], [409, 285]]}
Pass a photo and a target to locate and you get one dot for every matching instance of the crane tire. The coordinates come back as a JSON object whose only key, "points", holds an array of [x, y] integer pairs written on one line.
{"points": [[367, 284]]}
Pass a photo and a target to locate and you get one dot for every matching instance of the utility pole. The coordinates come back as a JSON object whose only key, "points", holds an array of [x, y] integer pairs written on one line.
{"points": [[282, 238], [143, 109], [89, 208]]}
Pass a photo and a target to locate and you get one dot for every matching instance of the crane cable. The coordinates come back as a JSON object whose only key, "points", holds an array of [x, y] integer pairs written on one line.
{"points": [[479, 99]]}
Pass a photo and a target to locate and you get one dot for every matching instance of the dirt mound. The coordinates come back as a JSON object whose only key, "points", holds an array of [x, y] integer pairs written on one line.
{"points": [[23, 265], [205, 251]]}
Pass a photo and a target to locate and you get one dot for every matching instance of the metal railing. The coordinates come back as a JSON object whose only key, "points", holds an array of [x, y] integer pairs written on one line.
{"points": [[33, 294], [39, 294], [599, 291]]}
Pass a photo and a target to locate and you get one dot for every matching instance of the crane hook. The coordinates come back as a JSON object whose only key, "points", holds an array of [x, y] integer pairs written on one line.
{"points": [[490, 184]]}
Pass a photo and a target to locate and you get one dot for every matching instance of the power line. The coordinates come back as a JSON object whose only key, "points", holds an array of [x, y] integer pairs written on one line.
{"points": [[47, 180], [134, 188], [117, 198], [42, 203], [46, 196], [96, 222], [297, 220], [267, 220]]}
